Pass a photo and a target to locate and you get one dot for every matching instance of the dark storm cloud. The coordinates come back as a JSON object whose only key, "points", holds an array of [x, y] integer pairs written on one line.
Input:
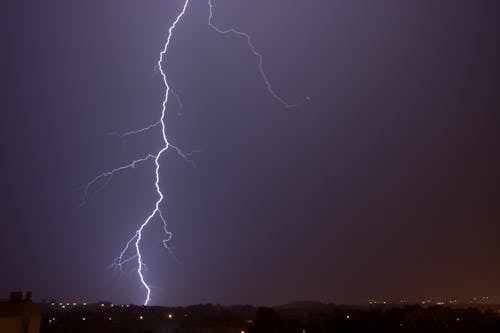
{"points": [[385, 184]]}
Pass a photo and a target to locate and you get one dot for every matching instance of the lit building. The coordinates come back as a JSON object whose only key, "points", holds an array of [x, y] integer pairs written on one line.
{"points": [[20, 315]]}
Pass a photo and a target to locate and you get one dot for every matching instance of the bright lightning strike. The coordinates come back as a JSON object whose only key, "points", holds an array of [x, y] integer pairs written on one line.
{"points": [[102, 180], [135, 240], [156, 211], [263, 74]]}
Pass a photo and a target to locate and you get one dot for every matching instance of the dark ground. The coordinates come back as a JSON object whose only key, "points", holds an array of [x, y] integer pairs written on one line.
{"points": [[294, 317]]}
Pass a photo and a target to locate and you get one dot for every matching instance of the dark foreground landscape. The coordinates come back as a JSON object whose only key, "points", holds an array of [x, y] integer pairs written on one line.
{"points": [[301, 317]]}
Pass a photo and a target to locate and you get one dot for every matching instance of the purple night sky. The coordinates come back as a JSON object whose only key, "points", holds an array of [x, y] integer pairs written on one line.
{"points": [[385, 184]]}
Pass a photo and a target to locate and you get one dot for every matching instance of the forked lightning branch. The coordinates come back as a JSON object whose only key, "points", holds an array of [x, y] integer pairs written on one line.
{"points": [[131, 253]]}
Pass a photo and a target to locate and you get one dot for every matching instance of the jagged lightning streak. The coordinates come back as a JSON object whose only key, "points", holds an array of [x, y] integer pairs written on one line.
{"points": [[135, 241], [263, 74], [156, 211]]}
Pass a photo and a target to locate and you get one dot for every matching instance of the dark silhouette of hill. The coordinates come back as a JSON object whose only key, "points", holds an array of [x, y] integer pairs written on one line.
{"points": [[299, 317]]}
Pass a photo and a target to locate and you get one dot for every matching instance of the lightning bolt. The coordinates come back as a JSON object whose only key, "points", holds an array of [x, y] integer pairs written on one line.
{"points": [[157, 211], [257, 54], [99, 182]]}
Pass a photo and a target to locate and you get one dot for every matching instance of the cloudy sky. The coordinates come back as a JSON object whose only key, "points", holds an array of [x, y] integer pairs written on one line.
{"points": [[385, 184]]}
